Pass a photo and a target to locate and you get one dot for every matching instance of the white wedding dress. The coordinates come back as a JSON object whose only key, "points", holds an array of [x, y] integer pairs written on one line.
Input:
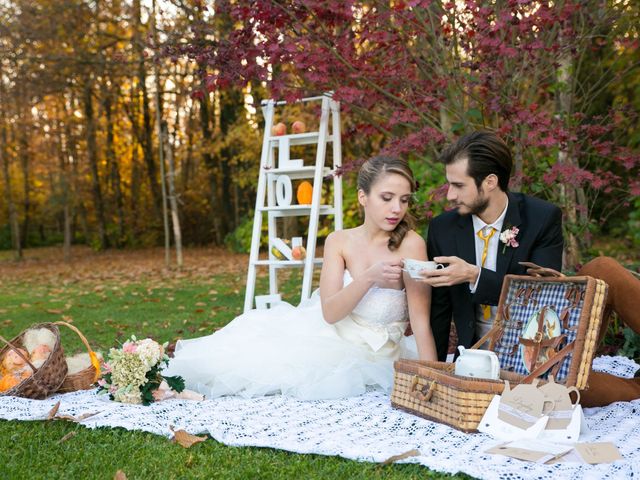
{"points": [[292, 350]]}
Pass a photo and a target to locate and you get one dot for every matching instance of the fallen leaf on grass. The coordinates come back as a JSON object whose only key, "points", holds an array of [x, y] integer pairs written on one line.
{"points": [[67, 437], [71, 418], [185, 439], [119, 475], [53, 415], [53, 411], [402, 456], [54, 311]]}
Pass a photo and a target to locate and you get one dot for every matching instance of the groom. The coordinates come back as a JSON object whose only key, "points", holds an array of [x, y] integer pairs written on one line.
{"points": [[483, 238]]}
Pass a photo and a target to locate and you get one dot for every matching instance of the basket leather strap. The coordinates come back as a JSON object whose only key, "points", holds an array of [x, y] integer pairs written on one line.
{"points": [[550, 362], [420, 393], [539, 341], [538, 271]]}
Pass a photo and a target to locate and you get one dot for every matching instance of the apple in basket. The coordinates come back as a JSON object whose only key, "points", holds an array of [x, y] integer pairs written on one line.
{"points": [[298, 127], [278, 129]]}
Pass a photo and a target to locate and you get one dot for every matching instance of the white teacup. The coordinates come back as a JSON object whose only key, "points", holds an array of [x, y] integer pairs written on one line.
{"points": [[414, 267]]}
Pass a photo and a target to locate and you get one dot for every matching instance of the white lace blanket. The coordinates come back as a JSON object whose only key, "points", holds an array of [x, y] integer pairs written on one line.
{"points": [[363, 428]]}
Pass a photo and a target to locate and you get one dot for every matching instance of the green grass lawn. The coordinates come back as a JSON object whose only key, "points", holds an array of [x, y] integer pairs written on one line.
{"points": [[108, 310]]}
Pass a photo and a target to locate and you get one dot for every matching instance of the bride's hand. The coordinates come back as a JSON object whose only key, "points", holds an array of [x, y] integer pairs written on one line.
{"points": [[383, 273]]}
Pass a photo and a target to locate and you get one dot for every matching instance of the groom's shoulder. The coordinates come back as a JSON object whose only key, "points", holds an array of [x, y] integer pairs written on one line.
{"points": [[535, 204], [445, 218]]}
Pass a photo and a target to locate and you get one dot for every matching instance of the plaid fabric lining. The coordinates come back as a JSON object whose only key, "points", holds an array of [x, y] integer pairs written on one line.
{"points": [[522, 311]]}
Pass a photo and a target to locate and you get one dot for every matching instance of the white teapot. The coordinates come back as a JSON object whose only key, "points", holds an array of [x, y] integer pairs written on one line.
{"points": [[477, 364]]}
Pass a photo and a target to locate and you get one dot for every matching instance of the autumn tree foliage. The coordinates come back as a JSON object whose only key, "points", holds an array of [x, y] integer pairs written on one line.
{"points": [[81, 92], [420, 72], [85, 87]]}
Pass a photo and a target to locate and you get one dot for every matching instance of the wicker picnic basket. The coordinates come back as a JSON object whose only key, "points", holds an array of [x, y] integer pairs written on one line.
{"points": [[45, 380], [543, 326], [85, 378]]}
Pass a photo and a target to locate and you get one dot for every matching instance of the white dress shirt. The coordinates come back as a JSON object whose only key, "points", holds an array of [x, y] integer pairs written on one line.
{"points": [[482, 325]]}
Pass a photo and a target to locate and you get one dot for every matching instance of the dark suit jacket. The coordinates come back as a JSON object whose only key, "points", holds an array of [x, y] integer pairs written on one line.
{"points": [[450, 234]]}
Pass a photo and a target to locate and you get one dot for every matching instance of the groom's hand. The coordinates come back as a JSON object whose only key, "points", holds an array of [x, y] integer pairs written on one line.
{"points": [[456, 272]]}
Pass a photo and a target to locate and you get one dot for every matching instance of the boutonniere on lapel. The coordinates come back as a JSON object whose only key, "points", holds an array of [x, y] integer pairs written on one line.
{"points": [[508, 237]]}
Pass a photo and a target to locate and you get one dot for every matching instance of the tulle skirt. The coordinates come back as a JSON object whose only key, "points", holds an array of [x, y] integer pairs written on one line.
{"points": [[293, 351]]}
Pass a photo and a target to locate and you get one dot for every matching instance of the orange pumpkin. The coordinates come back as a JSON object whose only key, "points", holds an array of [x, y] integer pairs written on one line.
{"points": [[304, 193]]}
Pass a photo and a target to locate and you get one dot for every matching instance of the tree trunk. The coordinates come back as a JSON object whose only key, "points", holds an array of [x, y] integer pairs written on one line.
{"points": [[14, 225], [23, 155], [114, 170], [135, 191], [566, 190], [518, 157], [72, 151], [147, 136], [92, 155], [161, 142], [63, 187], [173, 201], [187, 164]]}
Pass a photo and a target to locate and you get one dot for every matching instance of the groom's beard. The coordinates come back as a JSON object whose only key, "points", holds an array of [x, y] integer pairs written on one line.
{"points": [[477, 207]]}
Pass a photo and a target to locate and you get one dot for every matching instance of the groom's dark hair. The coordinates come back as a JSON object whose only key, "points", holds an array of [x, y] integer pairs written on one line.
{"points": [[487, 154]]}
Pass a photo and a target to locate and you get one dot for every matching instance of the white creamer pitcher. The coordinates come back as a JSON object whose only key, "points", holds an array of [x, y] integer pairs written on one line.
{"points": [[477, 364]]}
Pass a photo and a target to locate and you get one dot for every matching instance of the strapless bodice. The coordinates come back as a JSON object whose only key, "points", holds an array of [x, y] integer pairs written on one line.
{"points": [[380, 306]]}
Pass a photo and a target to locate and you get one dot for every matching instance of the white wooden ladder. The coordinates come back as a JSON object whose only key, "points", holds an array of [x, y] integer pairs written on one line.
{"points": [[274, 192]]}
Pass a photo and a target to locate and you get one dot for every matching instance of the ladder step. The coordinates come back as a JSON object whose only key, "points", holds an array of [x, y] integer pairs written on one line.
{"points": [[307, 138], [302, 100], [296, 173], [297, 210], [285, 263]]}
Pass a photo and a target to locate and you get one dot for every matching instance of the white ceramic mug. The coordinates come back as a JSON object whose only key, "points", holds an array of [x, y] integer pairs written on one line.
{"points": [[414, 267]]}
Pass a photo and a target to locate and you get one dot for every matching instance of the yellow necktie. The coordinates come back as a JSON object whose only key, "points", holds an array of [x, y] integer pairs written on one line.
{"points": [[486, 309]]}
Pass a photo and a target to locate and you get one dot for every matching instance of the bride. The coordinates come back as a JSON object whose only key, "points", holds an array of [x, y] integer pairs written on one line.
{"points": [[347, 335]]}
